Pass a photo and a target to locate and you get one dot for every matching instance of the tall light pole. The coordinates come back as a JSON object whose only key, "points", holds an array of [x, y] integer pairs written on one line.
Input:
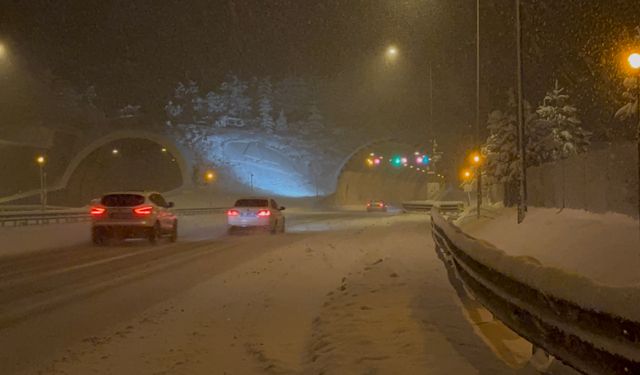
{"points": [[522, 201], [634, 62], [43, 182], [478, 141]]}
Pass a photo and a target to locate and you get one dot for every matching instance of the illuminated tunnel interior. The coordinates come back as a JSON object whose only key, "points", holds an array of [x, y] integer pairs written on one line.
{"points": [[125, 164], [391, 171]]}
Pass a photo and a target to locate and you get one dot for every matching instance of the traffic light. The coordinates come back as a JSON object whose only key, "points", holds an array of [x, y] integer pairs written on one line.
{"points": [[423, 160], [396, 161]]}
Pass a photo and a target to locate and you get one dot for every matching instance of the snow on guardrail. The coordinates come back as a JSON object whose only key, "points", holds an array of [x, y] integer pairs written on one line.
{"points": [[591, 327]]}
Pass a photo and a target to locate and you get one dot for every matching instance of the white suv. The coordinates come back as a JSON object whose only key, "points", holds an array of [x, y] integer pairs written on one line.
{"points": [[132, 215], [258, 213]]}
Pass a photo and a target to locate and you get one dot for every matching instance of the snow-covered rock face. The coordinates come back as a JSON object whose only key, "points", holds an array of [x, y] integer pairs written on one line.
{"points": [[272, 170], [279, 164]]}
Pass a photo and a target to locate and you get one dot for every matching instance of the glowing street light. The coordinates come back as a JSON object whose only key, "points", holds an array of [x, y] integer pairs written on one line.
{"points": [[634, 60], [164, 149], [466, 175], [3, 50], [115, 151], [40, 160], [392, 51], [210, 176], [475, 158]]}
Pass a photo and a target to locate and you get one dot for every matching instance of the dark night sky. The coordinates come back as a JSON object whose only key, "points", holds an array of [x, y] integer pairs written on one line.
{"points": [[136, 51]]}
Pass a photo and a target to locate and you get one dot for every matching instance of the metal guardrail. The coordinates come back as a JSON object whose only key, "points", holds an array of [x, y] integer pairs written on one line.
{"points": [[43, 218], [590, 341]]}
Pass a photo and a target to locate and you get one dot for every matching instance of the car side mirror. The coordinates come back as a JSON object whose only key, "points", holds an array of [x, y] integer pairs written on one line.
{"points": [[282, 208], [170, 205]]}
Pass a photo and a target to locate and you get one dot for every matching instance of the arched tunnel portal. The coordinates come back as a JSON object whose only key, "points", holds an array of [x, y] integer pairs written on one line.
{"points": [[359, 180], [123, 161]]}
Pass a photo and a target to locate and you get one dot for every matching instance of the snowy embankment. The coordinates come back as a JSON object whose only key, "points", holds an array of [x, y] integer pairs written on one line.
{"points": [[558, 303], [621, 301], [602, 247]]}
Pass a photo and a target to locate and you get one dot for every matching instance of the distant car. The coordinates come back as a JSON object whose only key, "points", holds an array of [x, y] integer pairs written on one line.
{"points": [[256, 213], [377, 206], [132, 215]]}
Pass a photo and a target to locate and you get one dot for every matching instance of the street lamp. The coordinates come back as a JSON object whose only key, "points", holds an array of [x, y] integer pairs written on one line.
{"points": [[210, 177], [115, 151], [392, 52], [43, 182], [634, 62]]}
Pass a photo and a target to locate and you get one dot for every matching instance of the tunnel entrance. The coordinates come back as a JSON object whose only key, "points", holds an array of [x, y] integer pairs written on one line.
{"points": [[120, 165], [372, 173]]}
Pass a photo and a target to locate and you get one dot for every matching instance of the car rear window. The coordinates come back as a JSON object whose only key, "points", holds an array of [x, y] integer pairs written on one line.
{"points": [[252, 203], [122, 200]]}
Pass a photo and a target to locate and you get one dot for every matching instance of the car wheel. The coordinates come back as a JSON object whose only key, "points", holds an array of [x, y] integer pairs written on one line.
{"points": [[154, 233], [274, 228], [98, 236], [231, 230], [174, 232], [282, 226]]}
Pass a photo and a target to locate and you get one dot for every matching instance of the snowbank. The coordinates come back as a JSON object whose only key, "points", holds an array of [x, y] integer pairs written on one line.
{"points": [[602, 247], [620, 301]]}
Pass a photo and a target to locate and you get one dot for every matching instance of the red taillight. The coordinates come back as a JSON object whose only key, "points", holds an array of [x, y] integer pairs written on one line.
{"points": [[233, 213], [97, 211], [143, 211], [381, 205], [264, 213]]}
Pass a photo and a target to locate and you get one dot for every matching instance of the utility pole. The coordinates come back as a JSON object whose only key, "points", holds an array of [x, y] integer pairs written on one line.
{"points": [[522, 201], [638, 136], [251, 182], [43, 182], [479, 169], [430, 135]]}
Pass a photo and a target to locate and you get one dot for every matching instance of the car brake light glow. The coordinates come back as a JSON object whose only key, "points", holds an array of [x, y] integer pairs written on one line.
{"points": [[143, 211], [97, 211], [233, 213], [264, 213], [381, 205]]}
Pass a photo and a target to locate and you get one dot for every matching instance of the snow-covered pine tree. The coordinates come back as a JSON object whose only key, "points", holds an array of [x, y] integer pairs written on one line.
{"points": [[501, 150], [630, 96], [237, 103], [180, 108], [281, 122], [566, 135], [315, 120], [265, 106], [294, 96]]}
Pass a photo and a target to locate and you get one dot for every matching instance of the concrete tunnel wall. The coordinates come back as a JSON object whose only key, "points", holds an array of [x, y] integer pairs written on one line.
{"points": [[357, 183], [357, 187]]}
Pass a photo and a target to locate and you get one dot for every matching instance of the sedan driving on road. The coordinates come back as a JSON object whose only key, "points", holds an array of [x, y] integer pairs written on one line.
{"points": [[256, 213], [377, 206], [133, 215]]}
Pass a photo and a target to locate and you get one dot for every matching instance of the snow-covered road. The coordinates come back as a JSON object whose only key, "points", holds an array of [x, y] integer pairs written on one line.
{"points": [[340, 293]]}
